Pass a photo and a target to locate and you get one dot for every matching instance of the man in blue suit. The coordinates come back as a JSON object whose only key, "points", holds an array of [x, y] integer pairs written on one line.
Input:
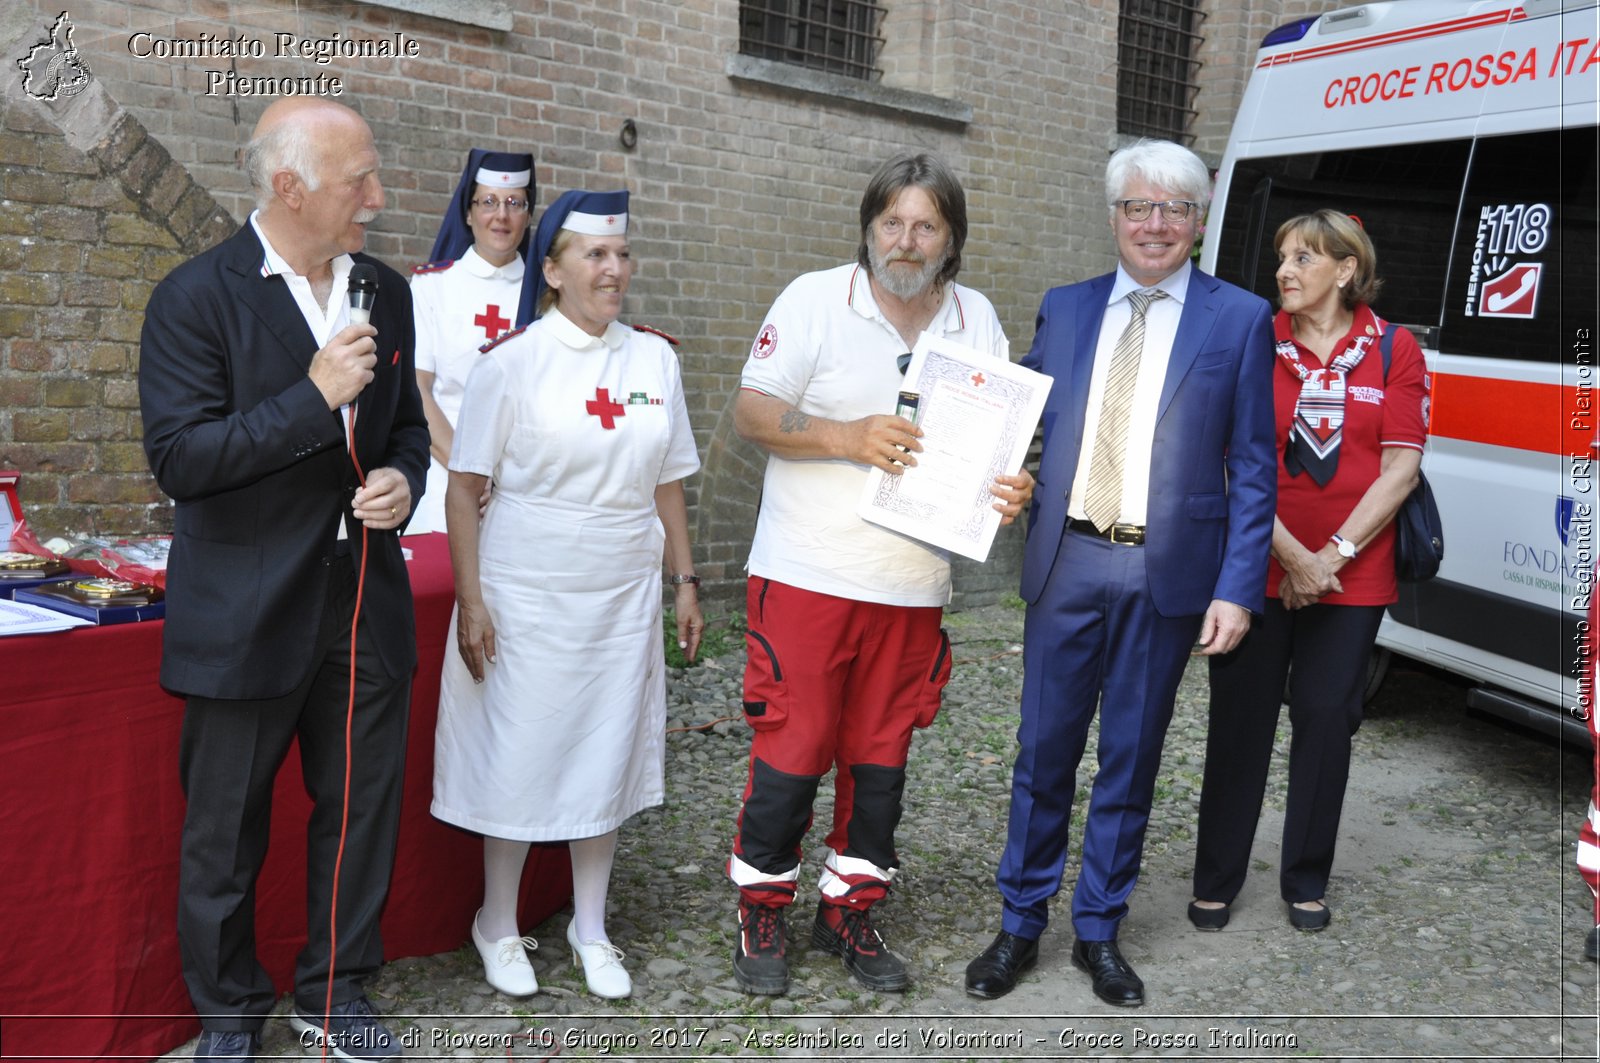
{"points": [[1151, 524]]}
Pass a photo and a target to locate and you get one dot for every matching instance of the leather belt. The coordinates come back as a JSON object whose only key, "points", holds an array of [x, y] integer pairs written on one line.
{"points": [[1121, 534]]}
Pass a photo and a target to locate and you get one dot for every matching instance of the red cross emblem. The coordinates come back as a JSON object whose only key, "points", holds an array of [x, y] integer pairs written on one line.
{"points": [[978, 380], [491, 322], [603, 408], [767, 342]]}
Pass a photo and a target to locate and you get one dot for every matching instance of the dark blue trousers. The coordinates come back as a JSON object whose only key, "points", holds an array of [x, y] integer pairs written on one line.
{"points": [[1092, 640]]}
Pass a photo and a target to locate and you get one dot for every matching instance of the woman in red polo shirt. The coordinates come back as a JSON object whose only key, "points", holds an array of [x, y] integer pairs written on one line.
{"points": [[1350, 444]]}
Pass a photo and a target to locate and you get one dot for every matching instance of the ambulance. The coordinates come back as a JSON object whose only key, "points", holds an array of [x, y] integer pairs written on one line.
{"points": [[1463, 135]]}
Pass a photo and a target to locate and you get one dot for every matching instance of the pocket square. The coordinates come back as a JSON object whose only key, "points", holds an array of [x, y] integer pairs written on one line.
{"points": [[396, 359]]}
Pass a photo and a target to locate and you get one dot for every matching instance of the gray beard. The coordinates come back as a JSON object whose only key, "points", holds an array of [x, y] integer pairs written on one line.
{"points": [[904, 285]]}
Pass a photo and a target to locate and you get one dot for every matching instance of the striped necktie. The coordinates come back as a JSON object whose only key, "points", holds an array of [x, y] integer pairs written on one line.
{"points": [[1102, 498]]}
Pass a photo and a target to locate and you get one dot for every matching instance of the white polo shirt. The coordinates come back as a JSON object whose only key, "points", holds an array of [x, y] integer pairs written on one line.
{"points": [[827, 349]]}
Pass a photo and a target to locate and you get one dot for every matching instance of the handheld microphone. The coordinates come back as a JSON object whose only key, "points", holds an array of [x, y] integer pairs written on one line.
{"points": [[363, 292]]}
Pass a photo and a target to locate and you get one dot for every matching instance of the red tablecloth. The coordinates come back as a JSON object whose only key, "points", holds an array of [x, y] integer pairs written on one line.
{"points": [[90, 813]]}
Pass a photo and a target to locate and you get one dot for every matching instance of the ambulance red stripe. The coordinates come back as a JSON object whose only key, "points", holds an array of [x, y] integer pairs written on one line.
{"points": [[1377, 40], [1545, 418]]}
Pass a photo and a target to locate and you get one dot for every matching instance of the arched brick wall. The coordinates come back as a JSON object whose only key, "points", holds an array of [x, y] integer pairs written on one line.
{"points": [[93, 213]]}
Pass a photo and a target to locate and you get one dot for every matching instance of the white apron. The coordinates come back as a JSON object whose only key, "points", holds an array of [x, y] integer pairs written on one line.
{"points": [[565, 738]]}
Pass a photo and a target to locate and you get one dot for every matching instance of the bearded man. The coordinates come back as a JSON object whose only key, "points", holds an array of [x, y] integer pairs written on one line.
{"points": [[845, 650]]}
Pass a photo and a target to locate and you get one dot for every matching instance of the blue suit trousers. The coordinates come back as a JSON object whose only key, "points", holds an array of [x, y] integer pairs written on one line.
{"points": [[1093, 639]]}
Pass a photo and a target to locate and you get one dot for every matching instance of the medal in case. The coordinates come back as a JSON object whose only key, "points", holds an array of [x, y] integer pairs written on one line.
{"points": [[101, 599]]}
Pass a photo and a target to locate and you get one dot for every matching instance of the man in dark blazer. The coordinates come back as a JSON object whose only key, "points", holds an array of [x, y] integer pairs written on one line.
{"points": [[293, 444], [1151, 523]]}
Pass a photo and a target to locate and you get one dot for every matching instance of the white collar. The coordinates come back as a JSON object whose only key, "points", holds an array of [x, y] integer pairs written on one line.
{"points": [[479, 266], [1175, 284], [564, 330], [864, 303], [273, 263]]}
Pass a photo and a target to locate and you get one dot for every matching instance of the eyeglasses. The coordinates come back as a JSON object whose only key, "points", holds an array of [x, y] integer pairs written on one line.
{"points": [[492, 205], [902, 362], [1173, 210]]}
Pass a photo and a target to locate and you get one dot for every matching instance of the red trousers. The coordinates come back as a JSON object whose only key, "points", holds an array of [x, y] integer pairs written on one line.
{"points": [[831, 683]]}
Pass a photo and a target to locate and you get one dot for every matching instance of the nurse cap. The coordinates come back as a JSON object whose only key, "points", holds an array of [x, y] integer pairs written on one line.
{"points": [[499, 169], [589, 213]]}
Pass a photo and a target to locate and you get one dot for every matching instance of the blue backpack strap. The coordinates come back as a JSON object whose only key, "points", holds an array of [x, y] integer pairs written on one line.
{"points": [[1386, 348]]}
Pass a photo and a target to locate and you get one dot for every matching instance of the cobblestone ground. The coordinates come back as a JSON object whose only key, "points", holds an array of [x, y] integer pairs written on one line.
{"points": [[1458, 916]]}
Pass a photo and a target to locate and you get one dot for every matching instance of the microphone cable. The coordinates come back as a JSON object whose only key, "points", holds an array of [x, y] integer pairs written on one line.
{"points": [[361, 292], [349, 722]]}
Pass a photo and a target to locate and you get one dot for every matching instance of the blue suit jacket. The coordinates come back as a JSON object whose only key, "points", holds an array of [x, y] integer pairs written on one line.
{"points": [[1213, 471]]}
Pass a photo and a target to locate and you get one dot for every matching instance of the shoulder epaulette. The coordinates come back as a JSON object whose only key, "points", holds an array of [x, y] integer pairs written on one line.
{"points": [[433, 267], [655, 332], [498, 340]]}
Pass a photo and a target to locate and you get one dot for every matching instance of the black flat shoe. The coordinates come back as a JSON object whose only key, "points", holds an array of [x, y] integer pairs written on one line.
{"points": [[1591, 948], [1114, 981], [1208, 918], [1311, 919], [995, 972]]}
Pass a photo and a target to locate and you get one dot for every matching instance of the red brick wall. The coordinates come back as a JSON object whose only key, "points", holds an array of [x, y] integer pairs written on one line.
{"points": [[738, 187], [84, 237]]}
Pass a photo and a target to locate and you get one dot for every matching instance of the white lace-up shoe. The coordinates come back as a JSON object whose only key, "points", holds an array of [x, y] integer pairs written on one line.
{"points": [[602, 966], [505, 962]]}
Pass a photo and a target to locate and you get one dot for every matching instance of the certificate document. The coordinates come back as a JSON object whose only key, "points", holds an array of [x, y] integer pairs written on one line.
{"points": [[978, 414], [19, 618]]}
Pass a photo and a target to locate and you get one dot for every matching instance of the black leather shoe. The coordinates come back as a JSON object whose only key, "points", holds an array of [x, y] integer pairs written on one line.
{"points": [[1114, 981], [1208, 918], [995, 972], [1311, 919], [1591, 949]]}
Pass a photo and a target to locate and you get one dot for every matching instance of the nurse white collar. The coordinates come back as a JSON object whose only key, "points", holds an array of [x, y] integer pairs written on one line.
{"points": [[563, 329]]}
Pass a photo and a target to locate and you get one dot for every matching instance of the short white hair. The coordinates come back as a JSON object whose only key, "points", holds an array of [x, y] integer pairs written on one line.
{"points": [[287, 146], [1163, 164]]}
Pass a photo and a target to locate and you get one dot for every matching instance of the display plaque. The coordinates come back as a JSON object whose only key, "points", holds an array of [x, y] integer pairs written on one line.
{"points": [[17, 566], [99, 599]]}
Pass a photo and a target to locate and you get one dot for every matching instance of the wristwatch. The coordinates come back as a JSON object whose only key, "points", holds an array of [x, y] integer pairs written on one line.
{"points": [[675, 580], [1346, 548]]}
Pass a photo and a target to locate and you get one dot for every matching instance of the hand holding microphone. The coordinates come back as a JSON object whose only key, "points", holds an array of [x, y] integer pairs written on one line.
{"points": [[345, 366], [363, 292]]}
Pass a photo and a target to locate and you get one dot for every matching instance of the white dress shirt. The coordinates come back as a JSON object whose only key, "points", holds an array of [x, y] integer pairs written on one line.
{"points": [[1160, 331]]}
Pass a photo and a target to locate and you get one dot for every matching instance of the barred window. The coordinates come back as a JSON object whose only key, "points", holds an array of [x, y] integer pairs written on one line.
{"points": [[1156, 68], [836, 36]]}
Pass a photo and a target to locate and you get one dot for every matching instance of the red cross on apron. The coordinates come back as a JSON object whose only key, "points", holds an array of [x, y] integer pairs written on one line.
{"points": [[603, 408], [490, 321]]}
